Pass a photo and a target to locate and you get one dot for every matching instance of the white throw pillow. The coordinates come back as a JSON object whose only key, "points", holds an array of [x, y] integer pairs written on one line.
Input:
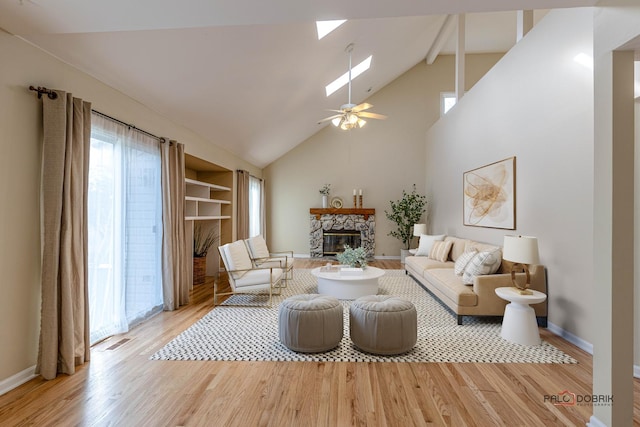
{"points": [[463, 260], [482, 263], [426, 242]]}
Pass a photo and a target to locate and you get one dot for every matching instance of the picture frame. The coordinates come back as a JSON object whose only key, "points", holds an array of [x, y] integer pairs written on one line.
{"points": [[489, 195]]}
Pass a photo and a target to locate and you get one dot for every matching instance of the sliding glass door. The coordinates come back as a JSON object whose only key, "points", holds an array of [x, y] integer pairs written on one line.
{"points": [[125, 228]]}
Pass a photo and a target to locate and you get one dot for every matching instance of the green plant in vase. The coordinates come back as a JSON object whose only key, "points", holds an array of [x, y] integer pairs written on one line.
{"points": [[405, 213], [354, 258]]}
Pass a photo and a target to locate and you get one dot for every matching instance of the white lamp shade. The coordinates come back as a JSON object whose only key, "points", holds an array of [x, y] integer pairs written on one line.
{"points": [[419, 229], [521, 249]]}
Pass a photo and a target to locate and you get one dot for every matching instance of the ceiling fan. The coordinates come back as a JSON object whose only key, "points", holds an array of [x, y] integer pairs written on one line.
{"points": [[352, 115]]}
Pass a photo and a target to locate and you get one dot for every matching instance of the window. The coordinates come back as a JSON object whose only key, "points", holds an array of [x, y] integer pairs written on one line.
{"points": [[256, 203], [447, 101], [125, 228]]}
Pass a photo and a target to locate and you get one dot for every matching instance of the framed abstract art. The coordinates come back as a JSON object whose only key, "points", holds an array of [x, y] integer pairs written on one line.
{"points": [[489, 195]]}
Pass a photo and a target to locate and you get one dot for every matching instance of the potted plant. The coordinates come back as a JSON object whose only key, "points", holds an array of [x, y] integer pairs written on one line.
{"points": [[324, 191], [405, 213], [354, 258], [202, 242]]}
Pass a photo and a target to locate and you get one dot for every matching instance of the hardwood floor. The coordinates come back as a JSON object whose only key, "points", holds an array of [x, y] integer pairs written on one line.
{"points": [[121, 387]]}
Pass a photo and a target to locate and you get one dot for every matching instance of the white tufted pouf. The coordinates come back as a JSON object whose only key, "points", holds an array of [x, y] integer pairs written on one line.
{"points": [[383, 324], [310, 323]]}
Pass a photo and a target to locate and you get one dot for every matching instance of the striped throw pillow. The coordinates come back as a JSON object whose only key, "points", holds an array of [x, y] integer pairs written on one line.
{"points": [[440, 250], [463, 260], [482, 263]]}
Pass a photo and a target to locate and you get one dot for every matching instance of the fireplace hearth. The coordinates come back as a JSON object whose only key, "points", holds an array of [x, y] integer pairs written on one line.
{"points": [[340, 229]]}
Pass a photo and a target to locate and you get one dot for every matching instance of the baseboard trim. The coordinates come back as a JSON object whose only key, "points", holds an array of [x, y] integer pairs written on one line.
{"points": [[573, 339], [17, 380]]}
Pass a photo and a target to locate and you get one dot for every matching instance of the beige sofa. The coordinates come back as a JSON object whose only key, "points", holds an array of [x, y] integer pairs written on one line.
{"points": [[480, 298]]}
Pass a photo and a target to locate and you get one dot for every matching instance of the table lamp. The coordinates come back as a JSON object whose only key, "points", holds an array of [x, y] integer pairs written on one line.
{"points": [[523, 252], [419, 229]]}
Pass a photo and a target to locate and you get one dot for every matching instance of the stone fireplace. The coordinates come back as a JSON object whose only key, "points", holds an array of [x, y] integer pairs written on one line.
{"points": [[331, 229]]}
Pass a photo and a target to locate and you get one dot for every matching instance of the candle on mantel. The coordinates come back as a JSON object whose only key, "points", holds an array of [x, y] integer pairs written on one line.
{"points": [[361, 191], [354, 191]]}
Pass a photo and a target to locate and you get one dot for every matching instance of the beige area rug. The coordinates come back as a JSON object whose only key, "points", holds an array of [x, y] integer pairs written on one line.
{"points": [[251, 333]]}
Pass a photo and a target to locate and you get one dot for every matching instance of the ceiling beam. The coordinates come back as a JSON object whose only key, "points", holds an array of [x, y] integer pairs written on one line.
{"points": [[446, 28], [524, 23], [460, 53]]}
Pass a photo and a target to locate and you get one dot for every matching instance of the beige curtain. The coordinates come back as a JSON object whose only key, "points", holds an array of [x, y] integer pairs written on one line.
{"points": [[175, 281], [243, 204], [64, 328], [263, 211]]}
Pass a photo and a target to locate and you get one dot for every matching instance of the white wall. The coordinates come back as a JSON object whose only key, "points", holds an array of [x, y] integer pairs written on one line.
{"points": [[535, 104], [22, 65], [383, 158]]}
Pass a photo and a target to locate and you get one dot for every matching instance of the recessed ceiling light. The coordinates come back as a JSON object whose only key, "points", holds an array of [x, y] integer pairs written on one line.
{"points": [[344, 79], [325, 27]]}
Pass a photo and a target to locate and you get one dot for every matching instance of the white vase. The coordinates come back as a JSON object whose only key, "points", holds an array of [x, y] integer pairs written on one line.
{"points": [[325, 201], [403, 254]]}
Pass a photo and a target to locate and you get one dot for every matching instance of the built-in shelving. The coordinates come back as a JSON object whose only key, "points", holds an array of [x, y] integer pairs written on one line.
{"points": [[208, 205], [201, 201]]}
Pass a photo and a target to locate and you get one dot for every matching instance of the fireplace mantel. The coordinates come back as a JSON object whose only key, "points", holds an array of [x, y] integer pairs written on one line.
{"points": [[318, 212]]}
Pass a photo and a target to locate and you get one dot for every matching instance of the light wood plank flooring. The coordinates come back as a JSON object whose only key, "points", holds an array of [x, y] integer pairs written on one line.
{"points": [[121, 387]]}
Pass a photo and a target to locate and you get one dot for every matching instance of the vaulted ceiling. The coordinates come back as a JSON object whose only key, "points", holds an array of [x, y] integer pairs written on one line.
{"points": [[250, 75]]}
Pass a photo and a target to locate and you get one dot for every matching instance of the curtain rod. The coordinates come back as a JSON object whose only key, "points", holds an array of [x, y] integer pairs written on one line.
{"points": [[53, 95], [130, 126], [43, 90]]}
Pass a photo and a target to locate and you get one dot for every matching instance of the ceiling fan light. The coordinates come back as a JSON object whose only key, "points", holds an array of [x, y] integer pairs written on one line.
{"points": [[352, 119], [336, 121], [361, 123]]}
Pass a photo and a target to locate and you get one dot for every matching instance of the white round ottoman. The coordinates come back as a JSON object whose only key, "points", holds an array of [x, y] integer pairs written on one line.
{"points": [[310, 323], [383, 324]]}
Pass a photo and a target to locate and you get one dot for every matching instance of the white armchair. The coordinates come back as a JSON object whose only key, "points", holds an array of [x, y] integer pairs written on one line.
{"points": [[262, 257], [244, 276]]}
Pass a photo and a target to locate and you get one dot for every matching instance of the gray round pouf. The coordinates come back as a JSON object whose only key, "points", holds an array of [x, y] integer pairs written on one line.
{"points": [[383, 324], [310, 323]]}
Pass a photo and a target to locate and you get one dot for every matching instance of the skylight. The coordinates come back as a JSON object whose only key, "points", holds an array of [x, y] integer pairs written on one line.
{"points": [[325, 27], [344, 79]]}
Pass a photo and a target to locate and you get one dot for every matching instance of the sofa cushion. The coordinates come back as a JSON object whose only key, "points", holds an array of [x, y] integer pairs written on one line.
{"points": [[259, 277], [463, 260], [458, 248], [481, 247], [485, 262], [426, 243], [449, 284], [440, 251], [422, 263]]}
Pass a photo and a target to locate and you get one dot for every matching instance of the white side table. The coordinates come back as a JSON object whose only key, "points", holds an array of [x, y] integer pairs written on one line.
{"points": [[519, 323]]}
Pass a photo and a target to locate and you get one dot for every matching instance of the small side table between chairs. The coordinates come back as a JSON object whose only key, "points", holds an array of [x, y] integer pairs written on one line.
{"points": [[519, 323]]}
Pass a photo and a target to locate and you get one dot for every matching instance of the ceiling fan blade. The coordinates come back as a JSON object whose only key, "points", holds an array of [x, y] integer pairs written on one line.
{"points": [[372, 115], [363, 106], [330, 118], [337, 111]]}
